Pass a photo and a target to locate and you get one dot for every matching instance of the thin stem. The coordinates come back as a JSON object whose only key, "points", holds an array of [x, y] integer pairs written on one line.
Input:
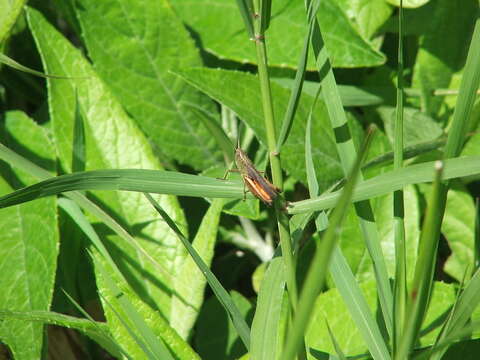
{"points": [[275, 163], [400, 286]]}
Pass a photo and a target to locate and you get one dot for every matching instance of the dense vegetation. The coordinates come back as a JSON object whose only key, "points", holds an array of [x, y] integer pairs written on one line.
{"points": [[365, 115]]}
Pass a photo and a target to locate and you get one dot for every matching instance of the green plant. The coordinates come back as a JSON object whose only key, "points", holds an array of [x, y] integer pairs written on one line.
{"points": [[134, 131]]}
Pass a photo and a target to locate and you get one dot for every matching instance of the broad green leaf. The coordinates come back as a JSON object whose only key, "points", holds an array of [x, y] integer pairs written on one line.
{"points": [[119, 317], [417, 126], [190, 283], [215, 336], [221, 294], [11, 9], [368, 15], [97, 331], [243, 96], [112, 141], [119, 311], [220, 28], [29, 240], [443, 48], [134, 47], [331, 307], [458, 227], [354, 249]]}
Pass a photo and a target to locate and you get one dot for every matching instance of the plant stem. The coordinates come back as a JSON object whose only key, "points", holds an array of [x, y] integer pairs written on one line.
{"points": [[269, 120], [400, 284]]}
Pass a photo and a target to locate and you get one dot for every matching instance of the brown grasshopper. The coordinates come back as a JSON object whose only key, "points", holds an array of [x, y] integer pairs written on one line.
{"points": [[253, 180]]}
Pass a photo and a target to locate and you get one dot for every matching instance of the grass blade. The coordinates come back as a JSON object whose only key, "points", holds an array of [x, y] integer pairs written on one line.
{"points": [[221, 294], [297, 84], [246, 10], [391, 181], [346, 151], [265, 326], [319, 266], [155, 181], [419, 295]]}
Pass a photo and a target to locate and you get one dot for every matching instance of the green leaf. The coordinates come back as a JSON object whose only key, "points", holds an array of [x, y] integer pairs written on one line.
{"points": [[434, 69], [97, 331], [11, 9], [417, 126], [458, 227], [216, 337], [190, 283], [265, 326], [242, 96], [368, 15], [112, 141], [220, 28], [114, 309], [29, 245], [382, 206], [330, 306], [217, 288], [130, 320], [134, 51]]}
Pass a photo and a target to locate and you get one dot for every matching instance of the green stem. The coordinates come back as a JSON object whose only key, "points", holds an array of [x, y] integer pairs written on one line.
{"points": [[400, 285], [275, 163]]}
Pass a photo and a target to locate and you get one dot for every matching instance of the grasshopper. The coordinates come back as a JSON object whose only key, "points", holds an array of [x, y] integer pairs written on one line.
{"points": [[253, 180]]}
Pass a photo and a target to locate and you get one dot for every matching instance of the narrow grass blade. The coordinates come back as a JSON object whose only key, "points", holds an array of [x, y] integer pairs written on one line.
{"points": [[97, 331], [420, 293], [408, 152], [4, 59], [461, 313], [265, 14], [155, 181], [221, 294], [153, 347], [336, 345], [319, 266], [87, 315], [341, 273], [466, 97], [358, 307], [246, 10], [79, 149], [309, 164], [391, 181], [265, 326], [461, 117], [217, 133], [346, 151], [297, 85]]}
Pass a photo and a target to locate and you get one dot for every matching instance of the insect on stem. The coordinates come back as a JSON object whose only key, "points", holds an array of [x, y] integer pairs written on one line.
{"points": [[253, 180]]}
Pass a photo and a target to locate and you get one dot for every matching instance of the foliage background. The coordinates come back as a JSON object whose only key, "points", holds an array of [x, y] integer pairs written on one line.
{"points": [[147, 78]]}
